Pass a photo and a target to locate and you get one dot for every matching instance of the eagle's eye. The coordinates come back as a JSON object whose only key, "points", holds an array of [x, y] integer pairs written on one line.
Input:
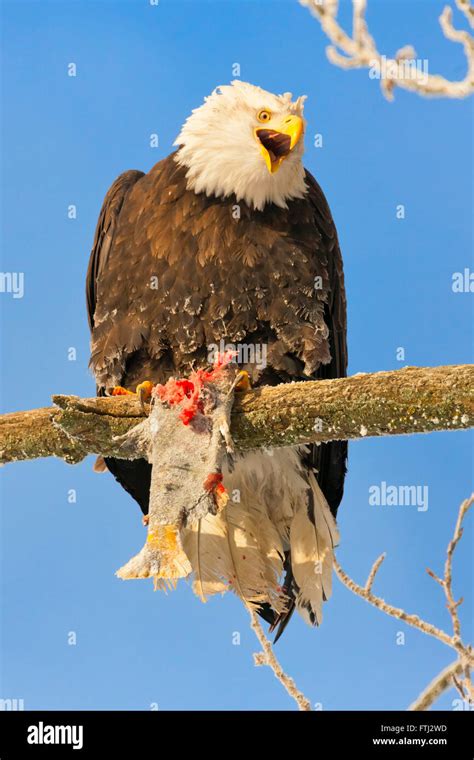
{"points": [[264, 115]]}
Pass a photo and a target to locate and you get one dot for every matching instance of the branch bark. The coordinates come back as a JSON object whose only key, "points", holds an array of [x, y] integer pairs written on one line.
{"points": [[410, 400], [267, 657], [437, 687]]}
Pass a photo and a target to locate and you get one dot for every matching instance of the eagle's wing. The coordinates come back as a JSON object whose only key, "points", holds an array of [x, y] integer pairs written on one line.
{"points": [[329, 460], [104, 235], [138, 482]]}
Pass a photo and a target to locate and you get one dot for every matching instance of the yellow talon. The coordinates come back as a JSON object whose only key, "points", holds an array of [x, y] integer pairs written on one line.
{"points": [[144, 389], [119, 391], [144, 392], [243, 383]]}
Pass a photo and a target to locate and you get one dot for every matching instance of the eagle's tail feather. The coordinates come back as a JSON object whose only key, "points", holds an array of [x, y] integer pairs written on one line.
{"points": [[313, 536], [289, 592], [244, 549], [235, 551], [204, 543]]}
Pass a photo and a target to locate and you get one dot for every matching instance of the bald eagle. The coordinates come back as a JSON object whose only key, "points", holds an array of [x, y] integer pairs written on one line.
{"points": [[229, 240]]}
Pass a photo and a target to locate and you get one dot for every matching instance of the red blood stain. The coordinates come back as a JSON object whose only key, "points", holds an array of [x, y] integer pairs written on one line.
{"points": [[213, 482], [187, 392]]}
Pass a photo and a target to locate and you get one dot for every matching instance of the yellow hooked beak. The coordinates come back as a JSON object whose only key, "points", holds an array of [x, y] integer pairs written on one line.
{"points": [[277, 143]]}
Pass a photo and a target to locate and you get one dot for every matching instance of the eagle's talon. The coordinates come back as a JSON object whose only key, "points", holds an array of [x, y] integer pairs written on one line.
{"points": [[144, 393], [118, 390], [242, 381]]}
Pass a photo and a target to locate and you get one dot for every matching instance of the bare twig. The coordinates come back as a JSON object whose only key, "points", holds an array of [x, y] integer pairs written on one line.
{"points": [[448, 568], [267, 657], [443, 681], [396, 612], [464, 685], [465, 662], [465, 652], [468, 9], [373, 573], [360, 52]]}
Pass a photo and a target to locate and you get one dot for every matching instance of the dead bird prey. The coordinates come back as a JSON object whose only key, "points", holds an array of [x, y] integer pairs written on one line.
{"points": [[186, 438], [229, 240]]}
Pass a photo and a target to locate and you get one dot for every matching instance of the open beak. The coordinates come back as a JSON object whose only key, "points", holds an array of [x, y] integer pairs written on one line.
{"points": [[277, 144]]}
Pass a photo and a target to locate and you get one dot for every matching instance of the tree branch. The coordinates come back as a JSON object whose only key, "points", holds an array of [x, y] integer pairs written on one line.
{"points": [[267, 657], [465, 662], [437, 687], [360, 51], [410, 400], [395, 612], [457, 675]]}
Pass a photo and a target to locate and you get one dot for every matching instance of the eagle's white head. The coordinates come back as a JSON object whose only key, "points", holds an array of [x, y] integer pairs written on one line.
{"points": [[246, 141]]}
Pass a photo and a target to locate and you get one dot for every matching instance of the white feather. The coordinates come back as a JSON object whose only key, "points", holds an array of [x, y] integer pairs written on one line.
{"points": [[276, 505], [257, 564], [274, 481], [235, 550], [312, 543], [205, 545]]}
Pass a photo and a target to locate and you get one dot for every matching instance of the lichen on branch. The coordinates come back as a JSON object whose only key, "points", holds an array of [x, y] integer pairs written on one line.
{"points": [[410, 400]]}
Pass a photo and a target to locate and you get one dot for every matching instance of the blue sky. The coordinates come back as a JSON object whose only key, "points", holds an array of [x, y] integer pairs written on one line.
{"points": [[140, 70]]}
